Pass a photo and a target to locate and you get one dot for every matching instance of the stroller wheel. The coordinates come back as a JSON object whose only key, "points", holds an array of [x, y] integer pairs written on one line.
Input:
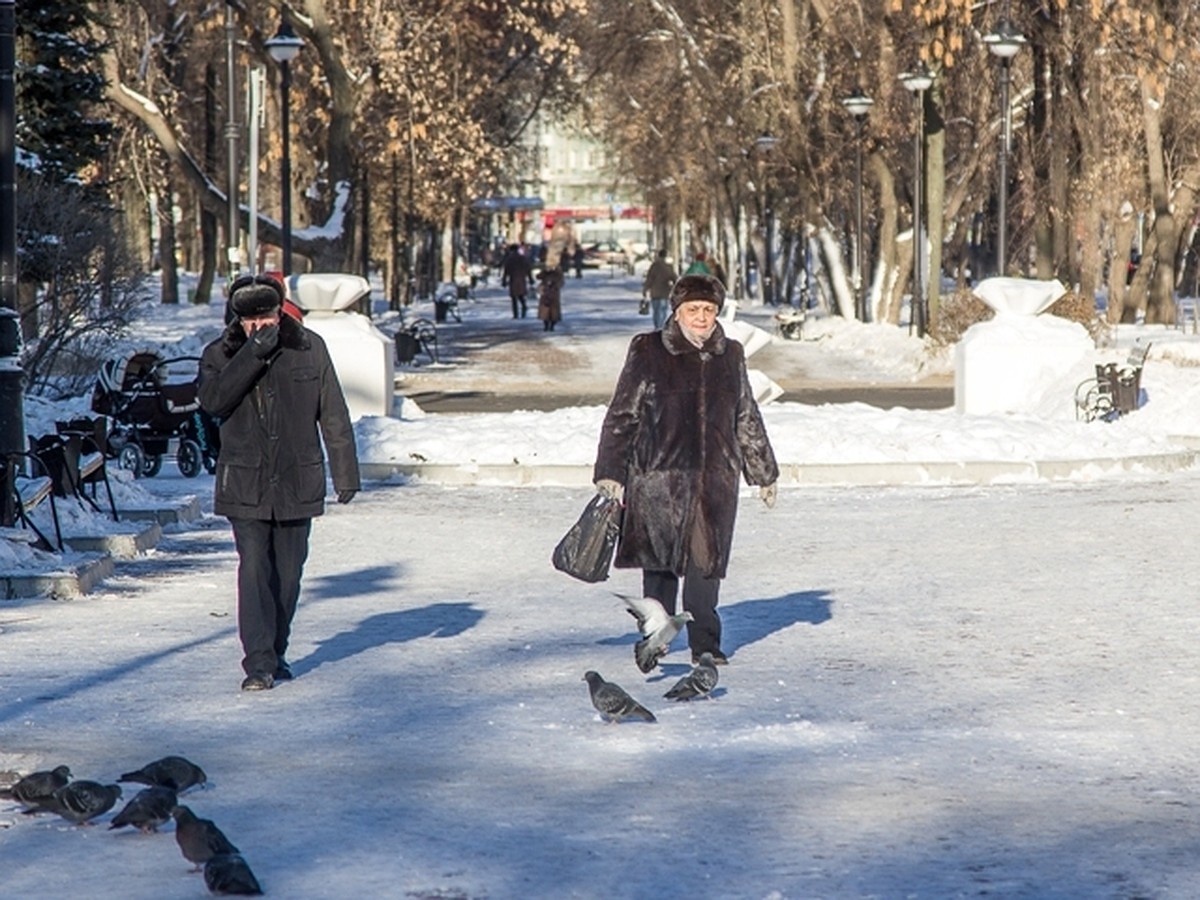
{"points": [[132, 459], [151, 465], [190, 458]]}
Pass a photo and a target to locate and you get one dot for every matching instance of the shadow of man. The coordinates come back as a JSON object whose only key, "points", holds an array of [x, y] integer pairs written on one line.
{"points": [[438, 620]]}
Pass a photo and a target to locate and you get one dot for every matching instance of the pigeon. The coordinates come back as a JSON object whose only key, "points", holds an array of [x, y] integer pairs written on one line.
{"points": [[658, 630], [149, 808], [613, 704], [172, 772], [697, 683], [82, 801], [199, 839], [37, 787], [228, 873]]}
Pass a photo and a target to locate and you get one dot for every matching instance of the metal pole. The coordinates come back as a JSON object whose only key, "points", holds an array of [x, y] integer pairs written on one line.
{"points": [[231, 137], [917, 316], [285, 76], [12, 377], [255, 87], [860, 293], [1002, 203]]}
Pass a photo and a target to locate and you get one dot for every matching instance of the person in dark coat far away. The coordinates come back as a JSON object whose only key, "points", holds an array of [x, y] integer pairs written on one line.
{"points": [[682, 428], [518, 270], [271, 384], [550, 296]]}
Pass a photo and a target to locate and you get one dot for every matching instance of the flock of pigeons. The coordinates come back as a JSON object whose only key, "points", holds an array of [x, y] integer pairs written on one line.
{"points": [[658, 629], [201, 842]]}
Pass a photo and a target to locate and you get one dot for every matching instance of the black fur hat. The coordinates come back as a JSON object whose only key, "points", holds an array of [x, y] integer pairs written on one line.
{"points": [[698, 287], [256, 299]]}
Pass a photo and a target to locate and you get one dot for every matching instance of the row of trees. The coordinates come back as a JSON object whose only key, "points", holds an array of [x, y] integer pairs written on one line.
{"points": [[404, 111]]}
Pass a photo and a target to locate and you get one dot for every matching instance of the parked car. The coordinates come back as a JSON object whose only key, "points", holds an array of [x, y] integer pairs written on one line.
{"points": [[606, 253]]}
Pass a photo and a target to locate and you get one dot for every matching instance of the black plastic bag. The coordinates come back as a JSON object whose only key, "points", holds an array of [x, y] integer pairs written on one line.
{"points": [[586, 550]]}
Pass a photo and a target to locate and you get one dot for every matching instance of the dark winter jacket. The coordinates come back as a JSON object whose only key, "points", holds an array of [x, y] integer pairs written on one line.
{"points": [[681, 429], [270, 464], [550, 295], [659, 280], [517, 271]]}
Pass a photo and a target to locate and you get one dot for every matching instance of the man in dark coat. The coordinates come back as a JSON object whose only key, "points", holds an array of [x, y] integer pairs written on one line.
{"points": [[271, 384], [518, 270], [681, 430]]}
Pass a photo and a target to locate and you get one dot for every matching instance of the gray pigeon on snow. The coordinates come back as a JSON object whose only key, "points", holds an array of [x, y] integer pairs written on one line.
{"points": [[697, 683], [149, 808], [82, 801], [228, 873], [172, 772], [199, 839], [37, 787], [658, 630], [611, 701]]}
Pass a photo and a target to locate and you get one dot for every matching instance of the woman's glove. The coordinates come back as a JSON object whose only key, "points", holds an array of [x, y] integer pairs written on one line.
{"points": [[345, 496], [611, 489], [769, 492]]}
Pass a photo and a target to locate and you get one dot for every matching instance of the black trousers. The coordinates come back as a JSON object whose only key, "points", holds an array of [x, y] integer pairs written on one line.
{"points": [[271, 557], [519, 299], [700, 597]]}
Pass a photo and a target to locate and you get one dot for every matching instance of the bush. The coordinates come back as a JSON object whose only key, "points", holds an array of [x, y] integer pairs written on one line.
{"points": [[958, 312]]}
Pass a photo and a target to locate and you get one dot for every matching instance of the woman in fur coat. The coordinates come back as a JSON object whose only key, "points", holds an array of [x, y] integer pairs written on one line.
{"points": [[681, 430]]}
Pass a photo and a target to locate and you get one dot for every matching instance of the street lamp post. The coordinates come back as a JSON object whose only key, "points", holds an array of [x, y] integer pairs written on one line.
{"points": [[1005, 42], [232, 255], [283, 48], [918, 82], [764, 144], [858, 105]]}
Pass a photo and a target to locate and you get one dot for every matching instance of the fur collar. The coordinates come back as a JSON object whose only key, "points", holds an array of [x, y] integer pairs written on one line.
{"points": [[677, 343], [292, 336]]}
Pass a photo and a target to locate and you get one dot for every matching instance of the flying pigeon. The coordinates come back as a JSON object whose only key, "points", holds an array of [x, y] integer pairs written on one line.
{"points": [[37, 787], [82, 801], [611, 701], [658, 630], [697, 683], [199, 839], [149, 808], [172, 772], [228, 873]]}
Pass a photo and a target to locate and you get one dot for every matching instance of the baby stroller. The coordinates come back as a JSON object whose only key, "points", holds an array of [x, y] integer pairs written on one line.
{"points": [[148, 412]]}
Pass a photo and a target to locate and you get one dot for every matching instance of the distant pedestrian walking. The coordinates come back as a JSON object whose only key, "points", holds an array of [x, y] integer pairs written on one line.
{"points": [[550, 297], [577, 258], [699, 265], [659, 280], [518, 270]]}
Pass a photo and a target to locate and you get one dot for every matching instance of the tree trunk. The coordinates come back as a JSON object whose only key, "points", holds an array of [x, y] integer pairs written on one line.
{"points": [[887, 296], [166, 241], [1118, 265], [1160, 307]]}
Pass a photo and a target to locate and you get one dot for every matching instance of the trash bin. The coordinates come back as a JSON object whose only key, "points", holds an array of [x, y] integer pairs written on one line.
{"points": [[406, 347], [440, 309]]}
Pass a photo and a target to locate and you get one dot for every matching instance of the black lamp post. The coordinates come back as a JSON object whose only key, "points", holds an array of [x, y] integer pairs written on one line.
{"points": [[764, 144], [12, 377], [232, 254], [1005, 42], [858, 105], [918, 82], [283, 48]]}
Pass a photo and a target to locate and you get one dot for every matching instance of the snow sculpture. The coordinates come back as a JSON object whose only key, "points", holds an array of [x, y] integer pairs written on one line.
{"points": [[362, 354], [1019, 361]]}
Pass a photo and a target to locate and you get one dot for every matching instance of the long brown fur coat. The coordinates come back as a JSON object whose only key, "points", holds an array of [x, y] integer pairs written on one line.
{"points": [[682, 428]]}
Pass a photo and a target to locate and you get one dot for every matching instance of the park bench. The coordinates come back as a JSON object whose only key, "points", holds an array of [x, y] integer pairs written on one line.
{"points": [[1115, 390]]}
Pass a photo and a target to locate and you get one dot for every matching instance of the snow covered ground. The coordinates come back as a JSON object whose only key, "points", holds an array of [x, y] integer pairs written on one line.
{"points": [[933, 691]]}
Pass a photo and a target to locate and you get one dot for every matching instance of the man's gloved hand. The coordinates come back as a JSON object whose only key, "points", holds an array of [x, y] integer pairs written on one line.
{"points": [[613, 490], [345, 496], [264, 341], [769, 492]]}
